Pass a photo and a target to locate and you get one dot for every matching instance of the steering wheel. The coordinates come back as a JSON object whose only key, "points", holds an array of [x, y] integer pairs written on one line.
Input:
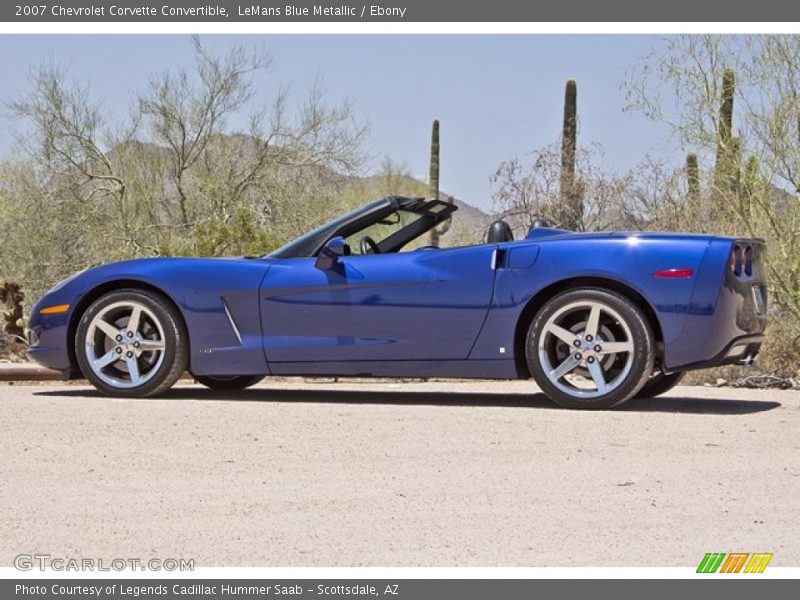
{"points": [[367, 244]]}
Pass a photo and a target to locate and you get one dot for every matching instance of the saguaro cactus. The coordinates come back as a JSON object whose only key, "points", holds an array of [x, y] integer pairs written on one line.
{"points": [[571, 209], [433, 172], [726, 166], [433, 182], [748, 188], [735, 167], [693, 183], [797, 186]]}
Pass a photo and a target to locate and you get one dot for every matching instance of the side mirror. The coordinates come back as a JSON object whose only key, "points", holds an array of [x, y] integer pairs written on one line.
{"points": [[329, 255]]}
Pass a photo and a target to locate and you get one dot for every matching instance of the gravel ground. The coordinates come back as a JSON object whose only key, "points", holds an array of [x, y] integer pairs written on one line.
{"points": [[386, 474]]}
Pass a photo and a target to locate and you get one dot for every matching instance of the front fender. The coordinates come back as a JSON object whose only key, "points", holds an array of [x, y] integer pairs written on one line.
{"points": [[217, 298]]}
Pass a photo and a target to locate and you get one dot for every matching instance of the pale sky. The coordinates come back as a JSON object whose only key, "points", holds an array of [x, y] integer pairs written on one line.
{"points": [[496, 96]]}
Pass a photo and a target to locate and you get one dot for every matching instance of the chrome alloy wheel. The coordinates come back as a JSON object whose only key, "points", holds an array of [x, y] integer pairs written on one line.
{"points": [[125, 345], [586, 349]]}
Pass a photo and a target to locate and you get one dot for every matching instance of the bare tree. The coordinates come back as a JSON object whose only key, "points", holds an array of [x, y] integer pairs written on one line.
{"points": [[207, 163], [69, 136], [216, 174], [655, 198], [524, 190], [185, 111]]}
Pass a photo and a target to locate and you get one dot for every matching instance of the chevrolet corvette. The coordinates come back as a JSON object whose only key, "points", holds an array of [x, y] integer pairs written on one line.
{"points": [[594, 318]]}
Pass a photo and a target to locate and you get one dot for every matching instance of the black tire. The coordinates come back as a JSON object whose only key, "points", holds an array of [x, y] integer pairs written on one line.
{"points": [[234, 382], [164, 373], [630, 375], [660, 384]]}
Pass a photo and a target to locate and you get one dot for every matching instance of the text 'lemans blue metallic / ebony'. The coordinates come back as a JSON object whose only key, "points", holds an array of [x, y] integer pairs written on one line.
{"points": [[595, 318]]}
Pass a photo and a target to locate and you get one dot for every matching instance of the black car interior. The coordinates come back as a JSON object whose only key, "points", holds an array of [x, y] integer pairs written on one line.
{"points": [[412, 216], [428, 214]]}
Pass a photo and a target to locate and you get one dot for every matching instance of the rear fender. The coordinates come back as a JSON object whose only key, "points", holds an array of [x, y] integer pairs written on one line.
{"points": [[627, 262]]}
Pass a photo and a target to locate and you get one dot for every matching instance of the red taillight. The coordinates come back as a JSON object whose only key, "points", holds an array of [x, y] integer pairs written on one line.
{"points": [[736, 260], [684, 273], [747, 260], [741, 260]]}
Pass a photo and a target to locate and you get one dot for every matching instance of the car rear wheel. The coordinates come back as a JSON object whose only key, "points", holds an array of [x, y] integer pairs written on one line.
{"points": [[232, 382], [590, 348], [131, 343], [660, 383]]}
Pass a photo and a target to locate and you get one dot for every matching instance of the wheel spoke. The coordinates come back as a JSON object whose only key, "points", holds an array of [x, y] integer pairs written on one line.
{"points": [[146, 345], [133, 322], [129, 345], [133, 370], [599, 378], [593, 323], [564, 335], [107, 328], [105, 360], [565, 367], [599, 357], [616, 347]]}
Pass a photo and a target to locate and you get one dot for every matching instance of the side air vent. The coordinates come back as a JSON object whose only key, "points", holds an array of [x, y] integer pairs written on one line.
{"points": [[232, 321]]}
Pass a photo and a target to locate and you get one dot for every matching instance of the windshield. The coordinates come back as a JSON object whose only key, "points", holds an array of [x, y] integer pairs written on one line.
{"points": [[382, 232], [386, 225], [308, 243]]}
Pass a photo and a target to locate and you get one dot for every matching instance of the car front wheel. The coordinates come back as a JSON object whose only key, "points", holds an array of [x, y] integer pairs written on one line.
{"points": [[131, 343], [590, 348]]}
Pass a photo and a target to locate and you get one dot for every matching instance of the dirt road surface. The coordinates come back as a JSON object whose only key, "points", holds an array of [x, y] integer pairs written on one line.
{"points": [[386, 474]]}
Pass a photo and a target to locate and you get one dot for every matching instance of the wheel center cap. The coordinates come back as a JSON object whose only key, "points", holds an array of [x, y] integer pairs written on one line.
{"points": [[128, 345]]}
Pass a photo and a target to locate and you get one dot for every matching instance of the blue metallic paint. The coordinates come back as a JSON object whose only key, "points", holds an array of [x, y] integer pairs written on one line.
{"points": [[378, 307], [443, 312], [196, 286]]}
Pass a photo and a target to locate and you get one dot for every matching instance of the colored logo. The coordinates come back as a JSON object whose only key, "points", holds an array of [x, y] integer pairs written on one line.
{"points": [[734, 562]]}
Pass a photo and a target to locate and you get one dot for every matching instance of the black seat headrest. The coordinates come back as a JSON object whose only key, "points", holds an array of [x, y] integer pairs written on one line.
{"points": [[499, 231], [539, 222]]}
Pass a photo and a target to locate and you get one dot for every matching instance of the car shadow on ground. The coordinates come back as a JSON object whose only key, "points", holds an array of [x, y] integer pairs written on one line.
{"points": [[688, 405]]}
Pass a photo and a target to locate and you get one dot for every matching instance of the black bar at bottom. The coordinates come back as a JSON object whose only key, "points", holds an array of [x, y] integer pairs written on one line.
{"points": [[398, 589]]}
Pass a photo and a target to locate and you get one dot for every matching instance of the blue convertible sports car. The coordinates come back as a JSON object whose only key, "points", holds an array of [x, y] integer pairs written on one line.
{"points": [[594, 318]]}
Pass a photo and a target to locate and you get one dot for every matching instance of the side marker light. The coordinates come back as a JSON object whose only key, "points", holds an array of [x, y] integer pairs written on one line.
{"points": [[54, 310], [685, 273]]}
